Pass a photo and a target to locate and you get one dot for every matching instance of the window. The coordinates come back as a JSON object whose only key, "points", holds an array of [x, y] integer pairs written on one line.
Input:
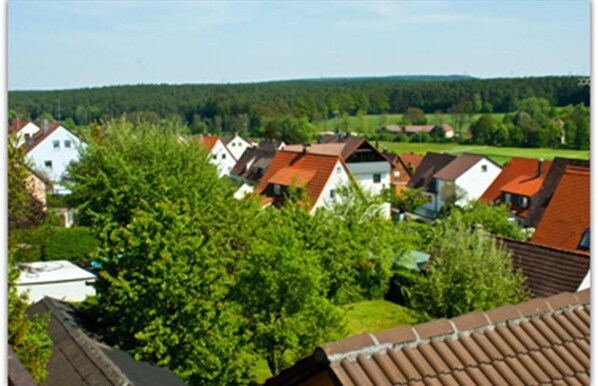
{"points": [[48, 164], [223, 155], [484, 168], [584, 244], [214, 156], [397, 174], [338, 169], [523, 201], [67, 144], [233, 144], [276, 189], [56, 144], [377, 178], [332, 193], [507, 198]]}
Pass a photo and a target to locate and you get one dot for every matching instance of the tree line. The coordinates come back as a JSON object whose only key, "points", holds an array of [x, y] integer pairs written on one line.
{"points": [[247, 108]]}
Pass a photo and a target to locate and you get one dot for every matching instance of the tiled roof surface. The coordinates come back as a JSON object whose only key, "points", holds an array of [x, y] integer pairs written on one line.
{"points": [[209, 142], [524, 185], [321, 165], [269, 144], [17, 373], [548, 270], [413, 159], [460, 165], [540, 342], [568, 214], [253, 164], [41, 135], [347, 148], [79, 358], [17, 124], [514, 169], [318, 148], [430, 165], [553, 177], [292, 176]]}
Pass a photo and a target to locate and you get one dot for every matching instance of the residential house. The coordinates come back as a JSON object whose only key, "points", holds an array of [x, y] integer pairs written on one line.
{"points": [[545, 341], [368, 166], [220, 156], [51, 150], [424, 179], [400, 174], [412, 160], [517, 185], [566, 222], [318, 176], [24, 129], [470, 174], [59, 279], [271, 144], [548, 270], [439, 131], [38, 185], [541, 200], [250, 169], [80, 357], [235, 144]]}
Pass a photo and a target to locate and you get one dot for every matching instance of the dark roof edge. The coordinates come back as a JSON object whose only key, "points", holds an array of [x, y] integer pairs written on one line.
{"points": [[536, 245]]}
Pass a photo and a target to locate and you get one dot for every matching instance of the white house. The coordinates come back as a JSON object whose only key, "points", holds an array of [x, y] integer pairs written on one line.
{"points": [[367, 165], [51, 150], [25, 130], [468, 175], [220, 156], [59, 279], [235, 144], [319, 176]]}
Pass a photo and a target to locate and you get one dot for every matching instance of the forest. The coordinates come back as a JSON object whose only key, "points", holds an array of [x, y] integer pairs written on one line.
{"points": [[247, 108]]}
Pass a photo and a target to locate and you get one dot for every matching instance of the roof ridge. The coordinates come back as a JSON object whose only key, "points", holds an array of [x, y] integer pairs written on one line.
{"points": [[476, 321]]}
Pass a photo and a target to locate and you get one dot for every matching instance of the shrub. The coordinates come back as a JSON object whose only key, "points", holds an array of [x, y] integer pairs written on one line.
{"points": [[72, 244]]}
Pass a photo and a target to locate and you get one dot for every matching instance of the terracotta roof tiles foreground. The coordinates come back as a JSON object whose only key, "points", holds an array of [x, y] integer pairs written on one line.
{"points": [[548, 270], [567, 216], [524, 170], [540, 342]]}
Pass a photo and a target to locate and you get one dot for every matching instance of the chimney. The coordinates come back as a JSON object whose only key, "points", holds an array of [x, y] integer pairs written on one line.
{"points": [[305, 146], [540, 167], [45, 126]]}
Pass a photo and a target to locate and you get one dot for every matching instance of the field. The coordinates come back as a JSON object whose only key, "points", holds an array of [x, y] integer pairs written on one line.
{"points": [[375, 121], [500, 155]]}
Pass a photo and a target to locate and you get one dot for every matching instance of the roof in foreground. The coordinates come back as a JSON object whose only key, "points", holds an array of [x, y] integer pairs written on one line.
{"points": [[542, 341], [79, 358]]}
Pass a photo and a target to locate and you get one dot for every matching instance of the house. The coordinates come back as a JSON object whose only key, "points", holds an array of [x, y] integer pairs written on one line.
{"points": [[412, 160], [439, 131], [235, 144], [250, 169], [38, 185], [400, 174], [566, 222], [548, 270], [541, 200], [271, 144], [24, 129], [368, 166], [59, 279], [51, 150], [424, 179], [318, 176], [472, 173], [545, 341], [518, 185], [220, 156], [80, 357]]}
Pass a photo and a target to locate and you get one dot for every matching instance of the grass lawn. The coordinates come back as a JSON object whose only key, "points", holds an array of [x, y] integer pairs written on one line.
{"points": [[365, 316], [374, 121], [500, 155]]}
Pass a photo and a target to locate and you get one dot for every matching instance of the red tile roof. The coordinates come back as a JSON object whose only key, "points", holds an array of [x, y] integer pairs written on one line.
{"points": [[413, 159], [542, 341], [313, 170], [568, 214], [209, 142], [17, 124], [524, 170]]}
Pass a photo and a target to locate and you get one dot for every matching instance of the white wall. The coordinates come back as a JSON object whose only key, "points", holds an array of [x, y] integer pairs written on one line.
{"points": [[237, 147], [222, 158], [338, 178], [475, 181], [363, 172], [60, 157], [30, 129]]}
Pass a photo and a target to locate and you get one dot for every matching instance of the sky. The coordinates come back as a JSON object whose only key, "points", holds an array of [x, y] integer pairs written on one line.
{"points": [[71, 44]]}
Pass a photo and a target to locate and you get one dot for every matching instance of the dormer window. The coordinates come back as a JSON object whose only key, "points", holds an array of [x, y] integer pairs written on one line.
{"points": [[584, 244], [523, 202], [507, 198], [276, 189]]}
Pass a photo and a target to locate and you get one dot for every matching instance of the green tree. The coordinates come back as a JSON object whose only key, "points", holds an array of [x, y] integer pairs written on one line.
{"points": [[469, 272], [414, 116], [482, 129], [408, 200], [27, 336], [494, 218]]}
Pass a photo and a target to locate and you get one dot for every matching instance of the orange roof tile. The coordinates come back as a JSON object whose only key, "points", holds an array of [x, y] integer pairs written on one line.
{"points": [[17, 124], [520, 169], [209, 142], [292, 176], [568, 214], [298, 164], [413, 159], [524, 185]]}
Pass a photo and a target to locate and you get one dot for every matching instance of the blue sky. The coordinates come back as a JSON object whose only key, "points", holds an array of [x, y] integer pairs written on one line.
{"points": [[68, 44]]}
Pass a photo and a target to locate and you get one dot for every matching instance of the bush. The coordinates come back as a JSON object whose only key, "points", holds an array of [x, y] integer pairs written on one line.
{"points": [[72, 244]]}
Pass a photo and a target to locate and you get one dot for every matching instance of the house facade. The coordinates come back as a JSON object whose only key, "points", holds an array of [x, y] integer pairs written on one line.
{"points": [[219, 156], [25, 130], [51, 150], [236, 145]]}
